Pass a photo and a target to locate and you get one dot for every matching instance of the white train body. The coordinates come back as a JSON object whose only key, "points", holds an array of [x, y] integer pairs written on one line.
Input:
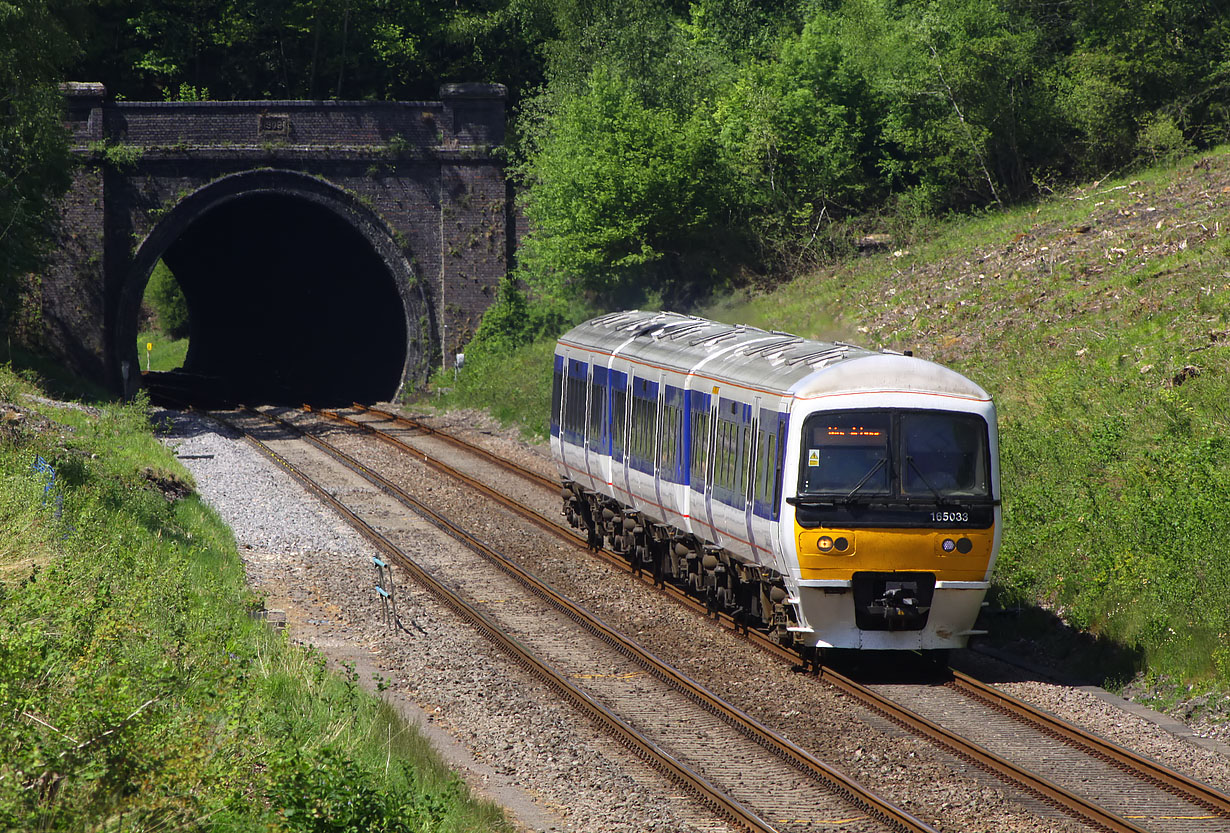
{"points": [[846, 498]]}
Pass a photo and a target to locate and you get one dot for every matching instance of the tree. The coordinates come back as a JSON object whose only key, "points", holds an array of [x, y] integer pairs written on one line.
{"points": [[34, 160], [622, 197]]}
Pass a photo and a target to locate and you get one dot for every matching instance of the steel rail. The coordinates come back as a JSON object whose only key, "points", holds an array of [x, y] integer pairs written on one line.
{"points": [[532, 476], [645, 748], [1122, 758], [803, 761], [1140, 767]]}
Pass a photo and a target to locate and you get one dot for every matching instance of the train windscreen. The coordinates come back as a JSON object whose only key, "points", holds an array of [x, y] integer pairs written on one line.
{"points": [[895, 454]]}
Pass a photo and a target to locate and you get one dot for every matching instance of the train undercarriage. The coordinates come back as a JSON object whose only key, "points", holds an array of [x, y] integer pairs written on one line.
{"points": [[753, 596]]}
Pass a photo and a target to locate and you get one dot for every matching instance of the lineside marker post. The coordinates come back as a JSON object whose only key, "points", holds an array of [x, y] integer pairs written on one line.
{"points": [[384, 578]]}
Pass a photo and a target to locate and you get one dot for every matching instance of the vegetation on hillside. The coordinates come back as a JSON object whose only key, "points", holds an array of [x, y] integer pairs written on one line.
{"points": [[137, 690]]}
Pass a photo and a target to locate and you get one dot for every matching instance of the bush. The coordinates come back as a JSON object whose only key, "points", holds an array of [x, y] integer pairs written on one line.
{"points": [[164, 296]]}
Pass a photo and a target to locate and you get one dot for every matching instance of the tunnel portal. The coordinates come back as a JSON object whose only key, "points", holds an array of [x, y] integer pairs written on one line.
{"points": [[308, 236], [288, 303]]}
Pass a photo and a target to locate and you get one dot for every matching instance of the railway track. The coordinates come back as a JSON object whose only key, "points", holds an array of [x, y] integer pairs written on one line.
{"points": [[747, 773], [1099, 783]]}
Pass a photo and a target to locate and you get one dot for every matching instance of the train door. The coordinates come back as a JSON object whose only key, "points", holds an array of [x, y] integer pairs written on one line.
{"points": [[660, 471], [710, 467], [596, 436], [572, 420], [698, 461], [751, 449], [617, 475]]}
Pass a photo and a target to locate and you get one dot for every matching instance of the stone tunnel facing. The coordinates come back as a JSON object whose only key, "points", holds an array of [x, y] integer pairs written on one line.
{"points": [[288, 303]]}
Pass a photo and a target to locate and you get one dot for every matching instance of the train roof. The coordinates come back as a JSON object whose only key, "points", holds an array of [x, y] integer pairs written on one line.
{"points": [[771, 361]]}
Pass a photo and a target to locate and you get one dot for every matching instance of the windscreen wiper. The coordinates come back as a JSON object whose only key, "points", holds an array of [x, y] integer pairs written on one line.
{"points": [[909, 461], [879, 465]]}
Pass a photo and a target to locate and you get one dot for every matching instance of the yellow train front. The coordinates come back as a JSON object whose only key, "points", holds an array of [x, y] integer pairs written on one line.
{"points": [[840, 497]]}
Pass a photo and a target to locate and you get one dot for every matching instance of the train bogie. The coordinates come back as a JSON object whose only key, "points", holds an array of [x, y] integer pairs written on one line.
{"points": [[835, 496]]}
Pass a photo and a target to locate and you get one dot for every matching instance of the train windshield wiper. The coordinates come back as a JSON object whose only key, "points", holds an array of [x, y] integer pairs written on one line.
{"points": [[879, 465], [909, 461]]}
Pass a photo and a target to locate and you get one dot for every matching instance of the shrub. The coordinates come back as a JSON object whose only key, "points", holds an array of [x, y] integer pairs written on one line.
{"points": [[164, 296]]}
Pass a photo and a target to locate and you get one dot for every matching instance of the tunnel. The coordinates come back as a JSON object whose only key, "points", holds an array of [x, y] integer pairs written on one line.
{"points": [[288, 303]]}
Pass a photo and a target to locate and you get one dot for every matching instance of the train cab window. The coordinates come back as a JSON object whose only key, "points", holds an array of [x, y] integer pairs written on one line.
{"points": [[944, 454], [847, 452]]}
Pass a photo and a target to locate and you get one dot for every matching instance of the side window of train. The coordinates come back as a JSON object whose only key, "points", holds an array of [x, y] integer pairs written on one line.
{"points": [[700, 442], [728, 470], [597, 410], [619, 405], [762, 454], [671, 447], [574, 402], [641, 444], [746, 460], [779, 457]]}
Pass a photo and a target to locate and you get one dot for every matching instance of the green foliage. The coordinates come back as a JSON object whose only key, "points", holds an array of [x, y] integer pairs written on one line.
{"points": [[166, 353], [515, 387], [167, 300], [186, 92], [514, 321], [34, 163], [118, 155], [330, 793], [367, 49], [623, 201], [1120, 517], [135, 684]]}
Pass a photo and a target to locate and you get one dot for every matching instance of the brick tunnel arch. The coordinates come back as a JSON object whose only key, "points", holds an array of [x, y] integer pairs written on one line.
{"points": [[297, 292]]}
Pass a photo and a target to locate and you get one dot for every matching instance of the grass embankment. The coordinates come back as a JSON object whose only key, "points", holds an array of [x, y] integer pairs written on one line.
{"points": [[137, 692], [159, 352], [1100, 320]]}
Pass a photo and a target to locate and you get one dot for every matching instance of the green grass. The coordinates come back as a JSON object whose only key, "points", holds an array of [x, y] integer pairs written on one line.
{"points": [[159, 352], [1100, 321], [514, 388], [138, 692]]}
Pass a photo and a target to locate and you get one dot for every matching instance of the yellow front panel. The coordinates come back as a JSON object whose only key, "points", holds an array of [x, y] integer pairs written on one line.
{"points": [[887, 550]]}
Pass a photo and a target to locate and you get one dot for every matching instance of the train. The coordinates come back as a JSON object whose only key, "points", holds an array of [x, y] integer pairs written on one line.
{"points": [[834, 496]]}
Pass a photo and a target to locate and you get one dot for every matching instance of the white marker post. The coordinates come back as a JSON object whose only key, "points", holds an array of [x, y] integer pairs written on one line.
{"points": [[149, 348]]}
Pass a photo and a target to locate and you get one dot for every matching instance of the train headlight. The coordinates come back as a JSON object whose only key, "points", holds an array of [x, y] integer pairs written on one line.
{"points": [[949, 545], [841, 544], [825, 544]]}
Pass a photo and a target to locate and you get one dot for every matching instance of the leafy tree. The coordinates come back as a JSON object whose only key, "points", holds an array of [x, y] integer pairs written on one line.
{"points": [[621, 197], [34, 165], [355, 49], [164, 295]]}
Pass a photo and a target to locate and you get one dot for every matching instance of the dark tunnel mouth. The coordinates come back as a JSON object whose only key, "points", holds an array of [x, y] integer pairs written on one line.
{"points": [[289, 303]]}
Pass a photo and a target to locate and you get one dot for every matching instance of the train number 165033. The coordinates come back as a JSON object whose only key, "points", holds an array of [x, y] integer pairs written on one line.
{"points": [[950, 517]]}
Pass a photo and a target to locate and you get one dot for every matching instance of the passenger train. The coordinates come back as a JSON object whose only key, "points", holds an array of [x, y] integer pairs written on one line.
{"points": [[837, 497]]}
